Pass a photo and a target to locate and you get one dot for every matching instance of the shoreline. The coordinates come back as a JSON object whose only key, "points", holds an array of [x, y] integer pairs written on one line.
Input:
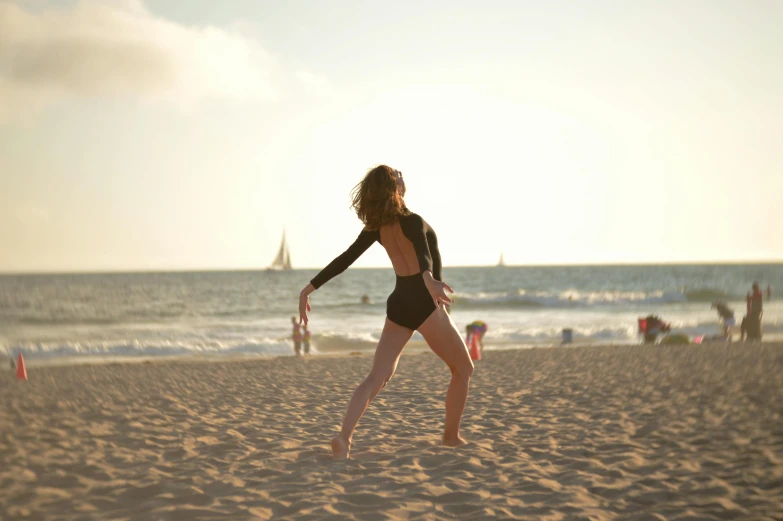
{"points": [[412, 348]]}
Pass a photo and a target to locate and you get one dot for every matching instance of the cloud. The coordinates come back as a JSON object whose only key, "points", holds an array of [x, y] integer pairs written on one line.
{"points": [[118, 48]]}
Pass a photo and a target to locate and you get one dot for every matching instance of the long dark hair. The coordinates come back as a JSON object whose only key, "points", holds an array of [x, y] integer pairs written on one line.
{"points": [[376, 198]]}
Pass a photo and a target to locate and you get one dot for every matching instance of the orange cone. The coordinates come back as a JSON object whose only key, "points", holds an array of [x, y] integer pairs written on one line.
{"points": [[21, 371], [475, 353]]}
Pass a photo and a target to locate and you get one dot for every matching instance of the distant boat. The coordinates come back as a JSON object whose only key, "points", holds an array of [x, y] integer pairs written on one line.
{"points": [[500, 262], [283, 260]]}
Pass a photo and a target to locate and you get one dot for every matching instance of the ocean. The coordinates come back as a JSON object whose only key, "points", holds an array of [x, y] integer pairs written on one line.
{"points": [[50, 317]]}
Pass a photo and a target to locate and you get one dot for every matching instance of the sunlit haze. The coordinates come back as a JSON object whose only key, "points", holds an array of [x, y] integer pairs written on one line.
{"points": [[174, 134]]}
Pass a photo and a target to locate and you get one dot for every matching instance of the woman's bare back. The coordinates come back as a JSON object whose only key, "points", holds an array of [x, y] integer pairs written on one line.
{"points": [[400, 250]]}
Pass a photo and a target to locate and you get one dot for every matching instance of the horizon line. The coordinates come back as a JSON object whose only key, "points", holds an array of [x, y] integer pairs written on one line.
{"points": [[264, 269]]}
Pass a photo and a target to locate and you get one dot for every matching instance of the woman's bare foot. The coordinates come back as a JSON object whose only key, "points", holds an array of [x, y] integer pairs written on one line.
{"points": [[452, 441], [340, 447]]}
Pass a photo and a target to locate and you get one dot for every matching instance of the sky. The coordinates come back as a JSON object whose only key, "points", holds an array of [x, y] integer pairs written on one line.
{"points": [[179, 135]]}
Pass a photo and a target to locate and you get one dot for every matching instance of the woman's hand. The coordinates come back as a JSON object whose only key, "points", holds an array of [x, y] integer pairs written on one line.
{"points": [[304, 303], [437, 289]]}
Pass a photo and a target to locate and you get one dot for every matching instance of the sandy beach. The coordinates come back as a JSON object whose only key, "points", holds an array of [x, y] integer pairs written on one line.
{"points": [[598, 433]]}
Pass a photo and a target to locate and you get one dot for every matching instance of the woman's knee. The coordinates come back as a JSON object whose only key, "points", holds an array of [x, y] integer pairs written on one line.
{"points": [[464, 369]]}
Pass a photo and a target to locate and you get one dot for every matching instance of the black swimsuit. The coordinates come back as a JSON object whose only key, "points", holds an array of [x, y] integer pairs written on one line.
{"points": [[410, 304]]}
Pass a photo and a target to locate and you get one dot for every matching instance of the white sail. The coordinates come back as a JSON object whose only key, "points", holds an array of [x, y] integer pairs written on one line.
{"points": [[500, 262], [283, 259]]}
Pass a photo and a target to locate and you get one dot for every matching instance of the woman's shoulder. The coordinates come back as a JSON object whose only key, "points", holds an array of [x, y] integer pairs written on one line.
{"points": [[415, 223], [409, 216]]}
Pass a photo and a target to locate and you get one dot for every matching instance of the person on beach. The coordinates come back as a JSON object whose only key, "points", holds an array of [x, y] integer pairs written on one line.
{"points": [[755, 312], [416, 304], [726, 315], [306, 339], [296, 336], [653, 327], [756, 298]]}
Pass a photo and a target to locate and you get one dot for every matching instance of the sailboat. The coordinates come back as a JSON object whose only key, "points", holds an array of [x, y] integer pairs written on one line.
{"points": [[500, 262], [283, 260]]}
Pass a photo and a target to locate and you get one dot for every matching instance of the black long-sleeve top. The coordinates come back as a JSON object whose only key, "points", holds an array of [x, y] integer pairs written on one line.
{"points": [[415, 229]]}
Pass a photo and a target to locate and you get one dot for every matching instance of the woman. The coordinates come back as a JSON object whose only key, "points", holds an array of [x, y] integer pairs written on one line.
{"points": [[416, 304]]}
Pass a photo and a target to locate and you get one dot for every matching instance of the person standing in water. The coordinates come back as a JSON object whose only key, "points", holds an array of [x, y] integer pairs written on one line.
{"points": [[306, 339], [416, 304], [296, 336]]}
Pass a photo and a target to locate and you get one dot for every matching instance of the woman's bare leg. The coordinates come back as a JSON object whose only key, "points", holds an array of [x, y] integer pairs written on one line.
{"points": [[443, 338], [387, 354]]}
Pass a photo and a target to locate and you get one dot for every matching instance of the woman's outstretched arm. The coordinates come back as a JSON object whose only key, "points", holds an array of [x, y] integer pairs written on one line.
{"points": [[304, 303], [334, 268]]}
